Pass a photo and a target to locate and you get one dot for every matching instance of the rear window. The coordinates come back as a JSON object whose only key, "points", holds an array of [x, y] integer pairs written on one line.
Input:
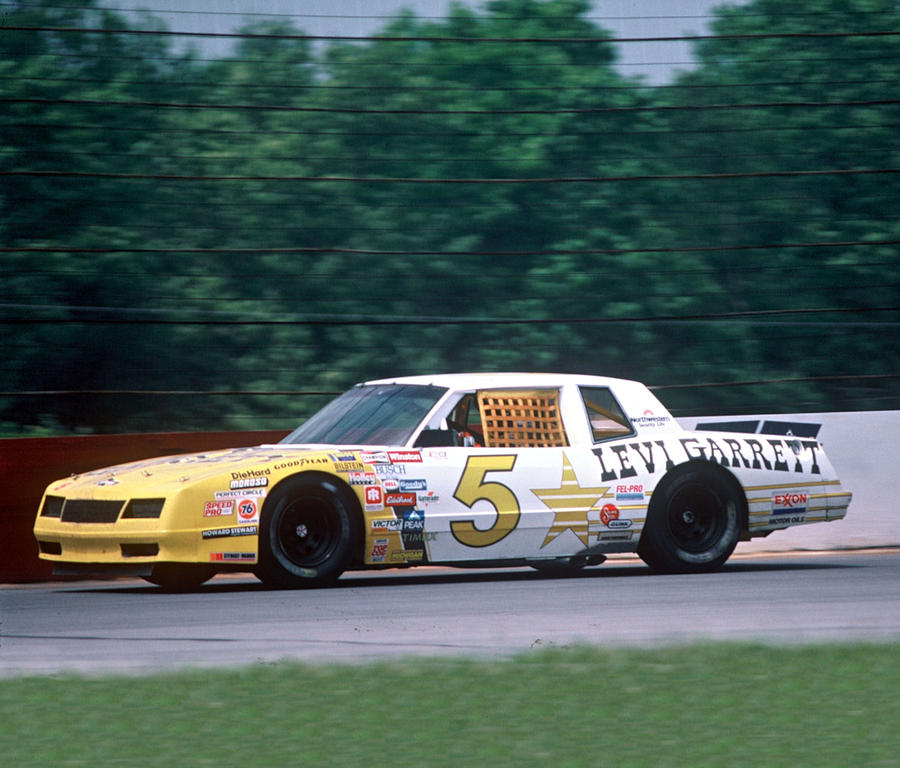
{"points": [[606, 417]]}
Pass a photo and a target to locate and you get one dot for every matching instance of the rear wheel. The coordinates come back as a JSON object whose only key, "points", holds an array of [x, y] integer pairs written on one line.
{"points": [[308, 533], [693, 523]]}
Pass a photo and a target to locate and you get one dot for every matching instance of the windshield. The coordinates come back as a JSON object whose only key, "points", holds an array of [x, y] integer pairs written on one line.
{"points": [[375, 414]]}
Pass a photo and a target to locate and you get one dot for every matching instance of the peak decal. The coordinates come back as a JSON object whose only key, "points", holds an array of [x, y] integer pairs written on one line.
{"points": [[571, 504]]}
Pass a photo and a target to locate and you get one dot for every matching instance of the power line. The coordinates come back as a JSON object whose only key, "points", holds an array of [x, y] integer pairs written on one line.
{"points": [[255, 133], [334, 393], [455, 39], [43, 154], [794, 380], [431, 181], [420, 111], [745, 12], [348, 320], [207, 274], [472, 252], [451, 88], [831, 59]]}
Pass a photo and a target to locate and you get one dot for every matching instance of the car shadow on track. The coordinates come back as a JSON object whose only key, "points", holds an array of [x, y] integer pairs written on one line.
{"points": [[435, 575]]}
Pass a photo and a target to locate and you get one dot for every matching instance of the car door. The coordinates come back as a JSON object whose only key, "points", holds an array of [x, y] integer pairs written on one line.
{"points": [[517, 488]]}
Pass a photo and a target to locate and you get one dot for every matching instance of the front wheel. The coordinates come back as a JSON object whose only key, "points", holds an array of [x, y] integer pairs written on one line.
{"points": [[693, 523], [308, 533]]}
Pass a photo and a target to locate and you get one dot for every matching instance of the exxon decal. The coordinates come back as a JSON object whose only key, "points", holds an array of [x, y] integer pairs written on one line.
{"points": [[789, 503]]}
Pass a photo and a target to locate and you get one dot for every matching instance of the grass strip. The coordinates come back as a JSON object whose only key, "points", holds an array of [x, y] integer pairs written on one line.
{"points": [[698, 705]]}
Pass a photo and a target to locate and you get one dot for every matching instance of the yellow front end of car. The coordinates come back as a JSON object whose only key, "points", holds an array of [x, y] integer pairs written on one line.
{"points": [[136, 523]]}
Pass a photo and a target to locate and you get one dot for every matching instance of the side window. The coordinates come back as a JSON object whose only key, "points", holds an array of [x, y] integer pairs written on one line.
{"points": [[466, 418], [604, 413], [521, 418]]}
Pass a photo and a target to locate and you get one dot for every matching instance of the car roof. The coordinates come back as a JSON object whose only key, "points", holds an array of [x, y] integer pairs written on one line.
{"points": [[504, 380]]}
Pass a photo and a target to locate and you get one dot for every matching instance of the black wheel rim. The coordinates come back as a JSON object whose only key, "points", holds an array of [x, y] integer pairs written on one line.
{"points": [[696, 518], [306, 531]]}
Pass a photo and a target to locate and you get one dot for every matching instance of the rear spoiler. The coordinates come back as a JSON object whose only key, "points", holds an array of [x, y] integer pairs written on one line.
{"points": [[763, 427]]}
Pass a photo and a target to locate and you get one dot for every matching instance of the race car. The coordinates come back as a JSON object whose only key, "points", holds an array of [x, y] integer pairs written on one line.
{"points": [[552, 471]]}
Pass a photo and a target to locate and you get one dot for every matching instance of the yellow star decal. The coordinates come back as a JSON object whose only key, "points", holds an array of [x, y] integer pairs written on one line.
{"points": [[570, 504]]}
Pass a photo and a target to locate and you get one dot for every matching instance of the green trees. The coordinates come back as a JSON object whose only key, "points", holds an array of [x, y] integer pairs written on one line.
{"points": [[293, 216]]}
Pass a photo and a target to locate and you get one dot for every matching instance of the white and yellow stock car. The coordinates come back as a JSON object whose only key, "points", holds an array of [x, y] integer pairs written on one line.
{"points": [[552, 471]]}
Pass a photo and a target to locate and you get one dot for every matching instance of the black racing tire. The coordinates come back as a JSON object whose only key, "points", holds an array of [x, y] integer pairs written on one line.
{"points": [[180, 577], [309, 532], [693, 522]]}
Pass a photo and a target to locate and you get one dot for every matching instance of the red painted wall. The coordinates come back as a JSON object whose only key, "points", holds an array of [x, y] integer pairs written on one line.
{"points": [[28, 465]]}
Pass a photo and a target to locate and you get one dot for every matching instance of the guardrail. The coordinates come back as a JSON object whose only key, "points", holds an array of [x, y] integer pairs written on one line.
{"points": [[28, 465]]}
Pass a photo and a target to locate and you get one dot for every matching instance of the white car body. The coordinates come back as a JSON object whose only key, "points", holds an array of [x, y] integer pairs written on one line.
{"points": [[561, 491]]}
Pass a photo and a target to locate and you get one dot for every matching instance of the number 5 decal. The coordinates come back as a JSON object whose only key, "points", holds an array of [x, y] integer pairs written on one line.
{"points": [[472, 488]]}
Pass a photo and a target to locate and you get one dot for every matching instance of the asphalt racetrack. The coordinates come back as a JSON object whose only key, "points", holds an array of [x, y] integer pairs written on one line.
{"points": [[130, 626]]}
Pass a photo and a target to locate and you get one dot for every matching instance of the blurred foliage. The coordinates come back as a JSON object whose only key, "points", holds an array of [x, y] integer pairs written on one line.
{"points": [[442, 110]]}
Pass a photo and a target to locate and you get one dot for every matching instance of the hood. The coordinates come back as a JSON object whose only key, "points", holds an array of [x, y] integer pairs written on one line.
{"points": [[171, 472]]}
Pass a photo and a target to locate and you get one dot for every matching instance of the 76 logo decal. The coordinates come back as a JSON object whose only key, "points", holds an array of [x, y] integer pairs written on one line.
{"points": [[248, 511]]}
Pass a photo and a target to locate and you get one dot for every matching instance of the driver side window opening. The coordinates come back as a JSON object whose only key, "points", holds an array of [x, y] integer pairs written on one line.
{"points": [[466, 419], [521, 418], [606, 417], [489, 418]]}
